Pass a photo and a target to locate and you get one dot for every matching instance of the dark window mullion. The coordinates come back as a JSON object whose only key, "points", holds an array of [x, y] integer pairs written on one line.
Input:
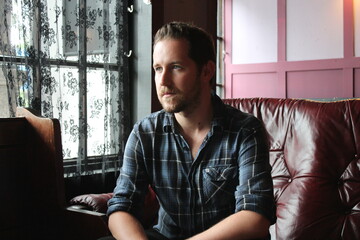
{"points": [[82, 153], [37, 63]]}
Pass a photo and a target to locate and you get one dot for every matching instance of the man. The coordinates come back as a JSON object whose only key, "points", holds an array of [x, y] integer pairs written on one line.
{"points": [[207, 162]]}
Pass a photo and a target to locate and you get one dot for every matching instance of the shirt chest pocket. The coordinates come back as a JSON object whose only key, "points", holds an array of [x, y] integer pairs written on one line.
{"points": [[219, 184]]}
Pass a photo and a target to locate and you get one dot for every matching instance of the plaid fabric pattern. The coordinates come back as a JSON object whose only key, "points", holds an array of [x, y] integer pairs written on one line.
{"points": [[231, 172]]}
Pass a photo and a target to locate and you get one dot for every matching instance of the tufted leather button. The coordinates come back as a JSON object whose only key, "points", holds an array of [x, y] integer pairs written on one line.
{"points": [[289, 180], [340, 182]]}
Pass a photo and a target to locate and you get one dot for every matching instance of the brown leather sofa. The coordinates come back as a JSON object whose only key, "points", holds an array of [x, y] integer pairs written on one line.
{"points": [[315, 156]]}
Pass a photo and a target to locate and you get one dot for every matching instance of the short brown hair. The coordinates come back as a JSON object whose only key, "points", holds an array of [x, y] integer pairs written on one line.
{"points": [[201, 45]]}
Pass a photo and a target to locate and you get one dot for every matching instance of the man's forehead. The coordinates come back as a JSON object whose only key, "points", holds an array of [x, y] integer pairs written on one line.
{"points": [[171, 48], [181, 42]]}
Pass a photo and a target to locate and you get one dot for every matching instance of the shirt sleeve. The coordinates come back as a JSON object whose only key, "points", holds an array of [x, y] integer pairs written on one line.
{"points": [[131, 185], [255, 189]]}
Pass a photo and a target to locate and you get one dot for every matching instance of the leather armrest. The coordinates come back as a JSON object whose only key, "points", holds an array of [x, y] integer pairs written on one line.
{"points": [[92, 202], [83, 209]]}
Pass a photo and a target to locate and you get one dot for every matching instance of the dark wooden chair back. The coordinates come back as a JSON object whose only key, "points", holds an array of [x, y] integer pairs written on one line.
{"points": [[31, 177]]}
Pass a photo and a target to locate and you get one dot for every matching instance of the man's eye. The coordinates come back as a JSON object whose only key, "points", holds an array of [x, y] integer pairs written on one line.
{"points": [[177, 67], [157, 69]]}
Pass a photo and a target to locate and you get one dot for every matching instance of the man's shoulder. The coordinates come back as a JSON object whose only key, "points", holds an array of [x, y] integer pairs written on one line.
{"points": [[240, 119], [232, 117]]}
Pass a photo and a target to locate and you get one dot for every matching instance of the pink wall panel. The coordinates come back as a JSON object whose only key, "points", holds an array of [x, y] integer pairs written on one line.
{"points": [[324, 78], [314, 84], [357, 83], [254, 85]]}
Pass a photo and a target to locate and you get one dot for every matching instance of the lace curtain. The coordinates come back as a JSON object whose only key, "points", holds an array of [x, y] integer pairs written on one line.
{"points": [[68, 59]]}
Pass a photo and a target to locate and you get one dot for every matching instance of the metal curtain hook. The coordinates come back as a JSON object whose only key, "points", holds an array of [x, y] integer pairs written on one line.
{"points": [[128, 54]]}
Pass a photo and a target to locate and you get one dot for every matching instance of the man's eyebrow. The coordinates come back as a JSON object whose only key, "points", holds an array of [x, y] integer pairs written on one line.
{"points": [[171, 63]]}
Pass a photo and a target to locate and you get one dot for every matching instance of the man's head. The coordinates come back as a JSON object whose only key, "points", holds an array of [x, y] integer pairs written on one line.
{"points": [[184, 66], [201, 45]]}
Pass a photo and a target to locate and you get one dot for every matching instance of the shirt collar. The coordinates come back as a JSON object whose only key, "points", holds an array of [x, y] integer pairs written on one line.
{"points": [[169, 123], [219, 113]]}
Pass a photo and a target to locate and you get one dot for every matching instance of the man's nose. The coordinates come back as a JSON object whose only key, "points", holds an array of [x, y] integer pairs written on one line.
{"points": [[165, 78]]}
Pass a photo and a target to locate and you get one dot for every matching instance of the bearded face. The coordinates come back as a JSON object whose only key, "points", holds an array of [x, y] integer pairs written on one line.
{"points": [[177, 78], [174, 100]]}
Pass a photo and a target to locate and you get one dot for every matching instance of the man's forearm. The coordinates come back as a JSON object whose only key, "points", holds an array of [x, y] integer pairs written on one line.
{"points": [[240, 225], [123, 225]]}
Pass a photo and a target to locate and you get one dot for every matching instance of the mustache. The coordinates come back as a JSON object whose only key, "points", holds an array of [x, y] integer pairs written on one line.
{"points": [[164, 91]]}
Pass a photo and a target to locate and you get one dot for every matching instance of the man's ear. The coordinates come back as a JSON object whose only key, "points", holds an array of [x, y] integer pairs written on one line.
{"points": [[208, 70]]}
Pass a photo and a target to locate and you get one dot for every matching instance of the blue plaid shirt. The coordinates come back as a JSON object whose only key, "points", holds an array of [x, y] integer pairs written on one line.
{"points": [[230, 173]]}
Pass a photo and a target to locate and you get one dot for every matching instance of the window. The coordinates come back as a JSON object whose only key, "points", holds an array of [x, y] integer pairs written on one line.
{"points": [[69, 60]]}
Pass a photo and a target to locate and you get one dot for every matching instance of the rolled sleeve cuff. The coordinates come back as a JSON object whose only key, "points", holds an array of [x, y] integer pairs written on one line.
{"points": [[115, 205]]}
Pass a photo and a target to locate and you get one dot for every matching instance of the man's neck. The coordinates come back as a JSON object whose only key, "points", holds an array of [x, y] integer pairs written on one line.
{"points": [[196, 119], [195, 125]]}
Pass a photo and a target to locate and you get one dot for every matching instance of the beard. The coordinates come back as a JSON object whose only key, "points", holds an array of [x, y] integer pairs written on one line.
{"points": [[181, 101]]}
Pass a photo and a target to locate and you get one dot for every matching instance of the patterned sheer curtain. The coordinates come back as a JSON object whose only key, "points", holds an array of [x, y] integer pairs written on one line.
{"points": [[68, 59]]}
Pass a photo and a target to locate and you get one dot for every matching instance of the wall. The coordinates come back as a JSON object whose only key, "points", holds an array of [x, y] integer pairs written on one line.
{"points": [[141, 65], [200, 12], [292, 49]]}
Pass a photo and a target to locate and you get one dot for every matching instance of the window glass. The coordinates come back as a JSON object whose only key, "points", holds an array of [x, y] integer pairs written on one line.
{"points": [[102, 103], [65, 106], [4, 108]]}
